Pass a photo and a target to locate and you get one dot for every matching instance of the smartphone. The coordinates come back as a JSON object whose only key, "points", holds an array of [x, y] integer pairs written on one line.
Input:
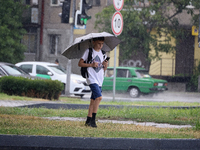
{"points": [[107, 58]]}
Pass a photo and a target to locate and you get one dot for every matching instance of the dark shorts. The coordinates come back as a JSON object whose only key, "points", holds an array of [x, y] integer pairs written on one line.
{"points": [[96, 91]]}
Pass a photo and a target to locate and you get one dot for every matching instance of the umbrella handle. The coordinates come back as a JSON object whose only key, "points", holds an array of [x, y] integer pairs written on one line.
{"points": [[79, 46]]}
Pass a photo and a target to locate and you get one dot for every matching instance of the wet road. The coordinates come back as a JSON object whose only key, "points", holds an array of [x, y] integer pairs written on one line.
{"points": [[161, 97]]}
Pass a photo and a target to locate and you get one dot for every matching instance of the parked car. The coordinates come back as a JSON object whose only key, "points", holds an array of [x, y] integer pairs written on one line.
{"points": [[78, 85], [8, 69], [134, 80]]}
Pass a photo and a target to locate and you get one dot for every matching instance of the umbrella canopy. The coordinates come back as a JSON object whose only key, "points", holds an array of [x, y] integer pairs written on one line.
{"points": [[80, 44]]}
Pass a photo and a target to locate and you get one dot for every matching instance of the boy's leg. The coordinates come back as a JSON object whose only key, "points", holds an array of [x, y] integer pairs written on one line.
{"points": [[94, 104], [95, 108], [90, 110]]}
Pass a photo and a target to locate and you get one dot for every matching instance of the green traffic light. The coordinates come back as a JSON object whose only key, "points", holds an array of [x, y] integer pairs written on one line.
{"points": [[85, 19]]}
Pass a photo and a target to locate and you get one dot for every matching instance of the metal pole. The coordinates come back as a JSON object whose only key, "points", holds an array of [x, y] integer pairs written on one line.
{"points": [[68, 73], [199, 30], [114, 78]]}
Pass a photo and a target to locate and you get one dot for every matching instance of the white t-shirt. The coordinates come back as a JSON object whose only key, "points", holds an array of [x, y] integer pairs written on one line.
{"points": [[96, 75]]}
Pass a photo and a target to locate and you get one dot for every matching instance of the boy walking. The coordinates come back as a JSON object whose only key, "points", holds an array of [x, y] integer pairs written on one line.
{"points": [[95, 77]]}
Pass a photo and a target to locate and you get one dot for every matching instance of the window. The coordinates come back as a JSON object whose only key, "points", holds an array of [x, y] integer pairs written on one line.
{"points": [[109, 73], [30, 41], [41, 70], [27, 2], [2, 73], [27, 68], [54, 44], [96, 2], [123, 73], [56, 2]]}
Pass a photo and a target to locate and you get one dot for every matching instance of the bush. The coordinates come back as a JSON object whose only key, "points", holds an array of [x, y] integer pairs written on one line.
{"points": [[37, 88], [192, 85]]}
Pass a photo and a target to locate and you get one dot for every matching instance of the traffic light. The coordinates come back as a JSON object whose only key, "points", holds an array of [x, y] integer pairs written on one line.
{"points": [[81, 17], [65, 11]]}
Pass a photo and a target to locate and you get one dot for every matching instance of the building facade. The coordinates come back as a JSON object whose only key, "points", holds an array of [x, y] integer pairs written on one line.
{"points": [[47, 38]]}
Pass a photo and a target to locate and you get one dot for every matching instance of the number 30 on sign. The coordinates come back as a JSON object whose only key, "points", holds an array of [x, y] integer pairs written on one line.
{"points": [[117, 23]]}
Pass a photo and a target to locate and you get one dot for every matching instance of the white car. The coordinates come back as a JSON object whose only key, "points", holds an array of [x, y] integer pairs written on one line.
{"points": [[78, 85]]}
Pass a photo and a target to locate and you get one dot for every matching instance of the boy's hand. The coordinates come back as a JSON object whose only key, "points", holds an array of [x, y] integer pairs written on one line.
{"points": [[94, 64], [105, 63]]}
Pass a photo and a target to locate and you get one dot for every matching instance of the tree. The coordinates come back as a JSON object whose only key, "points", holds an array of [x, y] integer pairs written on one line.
{"points": [[11, 31], [139, 22]]}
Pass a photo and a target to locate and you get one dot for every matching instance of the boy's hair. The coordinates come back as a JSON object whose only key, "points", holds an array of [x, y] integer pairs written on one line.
{"points": [[98, 39]]}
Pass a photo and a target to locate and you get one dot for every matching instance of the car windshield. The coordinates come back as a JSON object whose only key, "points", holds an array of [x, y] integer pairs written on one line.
{"points": [[142, 74], [13, 70], [58, 69]]}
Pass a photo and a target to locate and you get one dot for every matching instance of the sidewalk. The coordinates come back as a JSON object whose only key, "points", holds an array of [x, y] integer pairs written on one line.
{"points": [[20, 142]]}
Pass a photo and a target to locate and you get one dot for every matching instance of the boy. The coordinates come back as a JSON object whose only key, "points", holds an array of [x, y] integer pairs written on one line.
{"points": [[95, 80]]}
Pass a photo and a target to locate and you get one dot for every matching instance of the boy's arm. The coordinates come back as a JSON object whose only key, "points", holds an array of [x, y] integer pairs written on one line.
{"points": [[105, 64], [82, 64]]}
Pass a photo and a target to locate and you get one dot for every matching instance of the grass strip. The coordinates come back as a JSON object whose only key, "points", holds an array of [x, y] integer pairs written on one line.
{"points": [[30, 125], [158, 115]]}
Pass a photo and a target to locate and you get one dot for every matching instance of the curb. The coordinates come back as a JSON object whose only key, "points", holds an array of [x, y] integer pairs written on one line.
{"points": [[85, 106], [8, 142]]}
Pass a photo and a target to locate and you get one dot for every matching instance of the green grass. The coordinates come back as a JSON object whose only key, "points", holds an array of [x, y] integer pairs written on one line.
{"points": [[161, 115], [29, 125], [29, 121]]}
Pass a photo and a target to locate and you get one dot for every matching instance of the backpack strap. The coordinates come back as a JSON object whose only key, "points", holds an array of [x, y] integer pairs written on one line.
{"points": [[104, 54], [89, 56]]}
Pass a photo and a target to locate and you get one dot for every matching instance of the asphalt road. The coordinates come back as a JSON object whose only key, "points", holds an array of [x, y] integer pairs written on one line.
{"points": [[160, 97]]}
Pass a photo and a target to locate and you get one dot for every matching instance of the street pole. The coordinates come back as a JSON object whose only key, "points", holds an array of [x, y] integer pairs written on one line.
{"points": [[69, 64], [114, 78], [199, 30]]}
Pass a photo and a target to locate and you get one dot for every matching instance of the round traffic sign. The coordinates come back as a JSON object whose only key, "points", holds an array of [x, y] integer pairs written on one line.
{"points": [[117, 23], [118, 4]]}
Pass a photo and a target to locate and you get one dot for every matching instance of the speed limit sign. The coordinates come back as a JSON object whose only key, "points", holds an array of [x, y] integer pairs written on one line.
{"points": [[117, 23], [118, 4]]}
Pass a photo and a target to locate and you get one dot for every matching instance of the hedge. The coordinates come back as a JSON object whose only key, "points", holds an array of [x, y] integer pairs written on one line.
{"points": [[37, 88]]}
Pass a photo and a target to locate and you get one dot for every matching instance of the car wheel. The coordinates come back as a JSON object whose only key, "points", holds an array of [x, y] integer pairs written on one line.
{"points": [[63, 91], [81, 95], [134, 92]]}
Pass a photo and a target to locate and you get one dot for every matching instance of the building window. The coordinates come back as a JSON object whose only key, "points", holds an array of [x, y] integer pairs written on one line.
{"points": [[56, 2], [30, 41], [96, 2], [54, 44]]}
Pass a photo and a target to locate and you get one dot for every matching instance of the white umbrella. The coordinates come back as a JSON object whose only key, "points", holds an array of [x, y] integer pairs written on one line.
{"points": [[80, 44]]}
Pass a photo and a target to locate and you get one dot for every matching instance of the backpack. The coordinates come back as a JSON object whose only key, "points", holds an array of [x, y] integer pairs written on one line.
{"points": [[84, 71]]}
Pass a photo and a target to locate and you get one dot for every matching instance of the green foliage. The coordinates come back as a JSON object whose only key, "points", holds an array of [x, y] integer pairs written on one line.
{"points": [[193, 83], [197, 125], [139, 23], [38, 88], [11, 31]]}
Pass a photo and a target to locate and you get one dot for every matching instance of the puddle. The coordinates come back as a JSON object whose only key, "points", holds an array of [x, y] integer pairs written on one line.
{"points": [[158, 125]]}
